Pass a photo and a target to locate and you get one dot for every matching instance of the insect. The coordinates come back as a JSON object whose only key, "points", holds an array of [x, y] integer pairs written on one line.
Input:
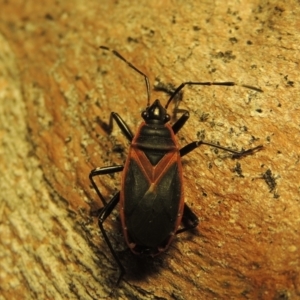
{"points": [[152, 206]]}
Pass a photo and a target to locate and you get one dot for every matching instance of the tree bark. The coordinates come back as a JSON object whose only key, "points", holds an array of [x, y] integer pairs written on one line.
{"points": [[57, 86]]}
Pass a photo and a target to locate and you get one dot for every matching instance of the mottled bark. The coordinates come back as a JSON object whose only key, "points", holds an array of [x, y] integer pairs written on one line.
{"points": [[55, 86]]}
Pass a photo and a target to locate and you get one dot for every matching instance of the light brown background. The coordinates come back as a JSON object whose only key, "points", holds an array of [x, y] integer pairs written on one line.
{"points": [[54, 83]]}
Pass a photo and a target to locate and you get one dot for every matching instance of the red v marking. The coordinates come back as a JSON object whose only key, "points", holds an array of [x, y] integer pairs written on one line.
{"points": [[154, 173]]}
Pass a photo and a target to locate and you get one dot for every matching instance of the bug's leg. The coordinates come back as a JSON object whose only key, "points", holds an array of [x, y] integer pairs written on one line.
{"points": [[181, 121], [103, 171], [105, 212], [107, 209], [228, 83], [236, 154], [120, 122], [189, 219], [169, 89]]}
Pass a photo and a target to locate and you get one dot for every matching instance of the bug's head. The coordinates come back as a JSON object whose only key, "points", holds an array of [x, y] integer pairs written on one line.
{"points": [[155, 114]]}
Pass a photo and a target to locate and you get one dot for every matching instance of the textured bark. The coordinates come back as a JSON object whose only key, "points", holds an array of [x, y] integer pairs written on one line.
{"points": [[54, 85]]}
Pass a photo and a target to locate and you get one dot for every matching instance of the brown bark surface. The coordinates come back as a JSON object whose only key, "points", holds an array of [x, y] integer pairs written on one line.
{"points": [[55, 84]]}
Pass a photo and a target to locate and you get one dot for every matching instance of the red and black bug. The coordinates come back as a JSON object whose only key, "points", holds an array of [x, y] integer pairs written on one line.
{"points": [[151, 197]]}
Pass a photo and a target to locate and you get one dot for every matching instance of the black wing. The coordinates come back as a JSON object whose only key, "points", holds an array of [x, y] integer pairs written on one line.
{"points": [[151, 209]]}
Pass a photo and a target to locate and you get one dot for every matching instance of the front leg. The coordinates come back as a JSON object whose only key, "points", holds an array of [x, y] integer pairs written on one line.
{"points": [[181, 121], [121, 124]]}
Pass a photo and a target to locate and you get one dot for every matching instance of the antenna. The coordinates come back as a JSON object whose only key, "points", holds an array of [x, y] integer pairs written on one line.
{"points": [[117, 54]]}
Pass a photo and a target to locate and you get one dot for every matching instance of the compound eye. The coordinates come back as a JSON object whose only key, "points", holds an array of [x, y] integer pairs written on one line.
{"points": [[145, 115], [167, 118]]}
